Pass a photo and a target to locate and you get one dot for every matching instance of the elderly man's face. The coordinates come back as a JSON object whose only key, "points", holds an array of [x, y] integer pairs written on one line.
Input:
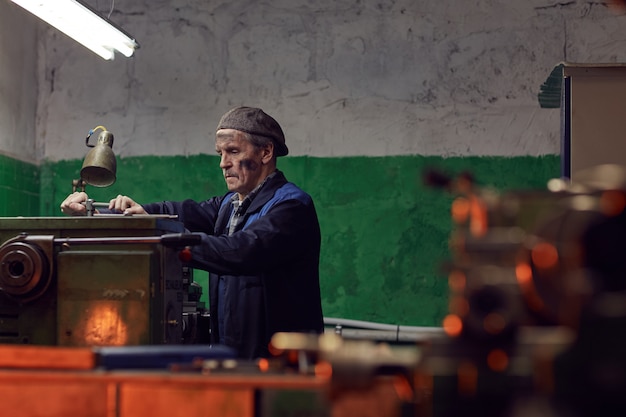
{"points": [[241, 161]]}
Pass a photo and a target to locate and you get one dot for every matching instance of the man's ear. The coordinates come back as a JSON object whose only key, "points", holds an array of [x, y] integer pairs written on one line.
{"points": [[267, 153]]}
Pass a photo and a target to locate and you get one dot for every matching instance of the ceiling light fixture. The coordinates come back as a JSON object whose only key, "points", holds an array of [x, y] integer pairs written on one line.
{"points": [[83, 24]]}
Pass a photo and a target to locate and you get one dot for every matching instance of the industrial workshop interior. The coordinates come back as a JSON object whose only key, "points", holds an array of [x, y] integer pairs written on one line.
{"points": [[332, 208]]}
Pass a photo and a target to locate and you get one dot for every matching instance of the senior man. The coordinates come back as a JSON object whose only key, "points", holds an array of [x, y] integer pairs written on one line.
{"points": [[260, 241]]}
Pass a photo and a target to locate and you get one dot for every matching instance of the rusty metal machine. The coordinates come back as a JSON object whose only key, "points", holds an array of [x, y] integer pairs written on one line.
{"points": [[537, 284], [92, 281], [98, 280]]}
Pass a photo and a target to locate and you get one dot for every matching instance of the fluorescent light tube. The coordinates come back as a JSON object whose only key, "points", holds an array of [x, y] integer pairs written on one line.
{"points": [[84, 25]]}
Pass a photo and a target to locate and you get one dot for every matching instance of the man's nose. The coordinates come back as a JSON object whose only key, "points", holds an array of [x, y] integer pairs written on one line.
{"points": [[224, 161]]}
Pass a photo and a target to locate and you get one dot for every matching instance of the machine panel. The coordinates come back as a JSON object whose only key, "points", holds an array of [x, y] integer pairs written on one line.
{"points": [[92, 281]]}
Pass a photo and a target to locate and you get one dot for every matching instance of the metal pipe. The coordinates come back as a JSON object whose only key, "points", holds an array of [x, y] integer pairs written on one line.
{"points": [[105, 240], [358, 329], [331, 321], [384, 335]]}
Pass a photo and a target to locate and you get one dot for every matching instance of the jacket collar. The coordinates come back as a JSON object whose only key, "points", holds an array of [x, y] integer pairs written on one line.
{"points": [[267, 191], [265, 194]]}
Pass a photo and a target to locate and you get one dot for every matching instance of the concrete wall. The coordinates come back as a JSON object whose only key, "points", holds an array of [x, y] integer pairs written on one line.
{"points": [[18, 83], [19, 173], [344, 77], [369, 94]]}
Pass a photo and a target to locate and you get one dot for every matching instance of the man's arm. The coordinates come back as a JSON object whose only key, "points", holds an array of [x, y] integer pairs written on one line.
{"points": [[197, 217], [288, 231]]}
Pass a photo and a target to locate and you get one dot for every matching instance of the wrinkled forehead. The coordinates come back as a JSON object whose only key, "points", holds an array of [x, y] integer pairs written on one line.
{"points": [[229, 136]]}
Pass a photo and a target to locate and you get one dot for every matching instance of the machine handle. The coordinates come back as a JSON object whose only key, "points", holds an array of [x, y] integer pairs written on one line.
{"points": [[168, 239], [180, 239]]}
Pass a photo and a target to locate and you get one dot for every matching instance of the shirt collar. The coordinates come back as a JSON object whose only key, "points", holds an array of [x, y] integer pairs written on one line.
{"points": [[242, 206]]}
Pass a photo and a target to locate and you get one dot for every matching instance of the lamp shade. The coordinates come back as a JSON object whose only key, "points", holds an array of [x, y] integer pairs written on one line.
{"points": [[100, 166]]}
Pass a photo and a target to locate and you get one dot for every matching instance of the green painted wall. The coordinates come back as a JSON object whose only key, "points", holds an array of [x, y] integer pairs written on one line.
{"points": [[19, 188], [385, 235]]}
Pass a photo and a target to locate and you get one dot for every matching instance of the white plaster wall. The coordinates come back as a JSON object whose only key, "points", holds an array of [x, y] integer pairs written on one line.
{"points": [[344, 77], [18, 84]]}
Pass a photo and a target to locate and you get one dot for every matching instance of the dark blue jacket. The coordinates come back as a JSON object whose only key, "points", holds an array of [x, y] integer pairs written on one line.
{"points": [[271, 263]]}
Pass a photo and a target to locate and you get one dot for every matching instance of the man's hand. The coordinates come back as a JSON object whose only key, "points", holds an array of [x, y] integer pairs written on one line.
{"points": [[126, 205], [74, 204]]}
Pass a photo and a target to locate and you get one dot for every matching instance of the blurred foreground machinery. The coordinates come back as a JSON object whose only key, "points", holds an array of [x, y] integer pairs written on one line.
{"points": [[537, 315]]}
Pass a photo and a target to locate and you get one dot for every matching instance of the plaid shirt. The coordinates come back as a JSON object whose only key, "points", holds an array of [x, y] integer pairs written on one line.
{"points": [[240, 206]]}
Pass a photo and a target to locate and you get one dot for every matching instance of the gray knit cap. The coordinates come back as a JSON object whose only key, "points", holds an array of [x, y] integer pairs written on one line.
{"points": [[255, 121]]}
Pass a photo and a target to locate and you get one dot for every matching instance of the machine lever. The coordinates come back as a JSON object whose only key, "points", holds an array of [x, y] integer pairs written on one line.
{"points": [[168, 239], [180, 239], [91, 205]]}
